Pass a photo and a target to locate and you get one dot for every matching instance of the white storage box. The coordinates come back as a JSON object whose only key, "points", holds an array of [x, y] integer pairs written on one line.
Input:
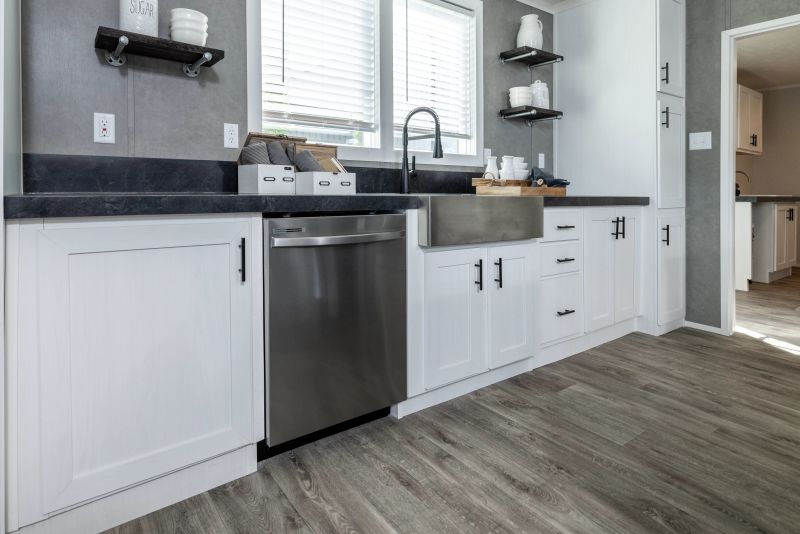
{"points": [[326, 183], [267, 179]]}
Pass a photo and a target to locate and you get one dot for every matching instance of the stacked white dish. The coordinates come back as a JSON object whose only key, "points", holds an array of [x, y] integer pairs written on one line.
{"points": [[520, 168], [188, 26], [520, 96]]}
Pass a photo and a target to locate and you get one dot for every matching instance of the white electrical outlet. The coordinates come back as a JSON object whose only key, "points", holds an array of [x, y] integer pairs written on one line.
{"points": [[541, 161], [487, 153], [104, 128], [231, 135]]}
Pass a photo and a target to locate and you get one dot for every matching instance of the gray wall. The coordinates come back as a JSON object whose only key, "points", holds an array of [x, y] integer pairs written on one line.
{"points": [[500, 24], [12, 114], [705, 20], [777, 170], [159, 111]]}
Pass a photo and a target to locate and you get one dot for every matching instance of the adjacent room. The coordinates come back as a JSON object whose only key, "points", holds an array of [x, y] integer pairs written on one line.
{"points": [[399, 266]]}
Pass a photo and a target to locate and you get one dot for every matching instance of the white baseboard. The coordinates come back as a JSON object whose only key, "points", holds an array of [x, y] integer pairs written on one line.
{"points": [[705, 328], [143, 499]]}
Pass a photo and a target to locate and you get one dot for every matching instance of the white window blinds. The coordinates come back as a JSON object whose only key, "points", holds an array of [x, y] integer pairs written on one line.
{"points": [[434, 50], [319, 63]]}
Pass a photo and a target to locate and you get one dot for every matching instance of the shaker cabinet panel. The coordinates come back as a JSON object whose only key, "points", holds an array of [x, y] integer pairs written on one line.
{"points": [[671, 49], [145, 358], [512, 303], [750, 137], [671, 153], [455, 337], [671, 269], [599, 271], [626, 266]]}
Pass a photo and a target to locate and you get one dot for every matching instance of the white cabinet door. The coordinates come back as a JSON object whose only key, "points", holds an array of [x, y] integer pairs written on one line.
{"points": [[744, 140], [143, 359], [560, 309], [514, 273], [455, 341], [599, 274], [757, 121], [671, 153], [781, 237], [626, 266], [671, 46], [671, 269], [791, 237]]}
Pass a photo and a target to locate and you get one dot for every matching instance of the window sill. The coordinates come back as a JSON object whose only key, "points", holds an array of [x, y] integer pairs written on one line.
{"points": [[375, 155]]}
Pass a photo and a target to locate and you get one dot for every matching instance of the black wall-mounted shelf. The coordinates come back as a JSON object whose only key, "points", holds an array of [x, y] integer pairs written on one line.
{"points": [[117, 43], [532, 57], [531, 114]]}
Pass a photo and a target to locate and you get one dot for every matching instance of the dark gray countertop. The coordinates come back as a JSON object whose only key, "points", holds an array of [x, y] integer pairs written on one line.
{"points": [[753, 199], [32, 206]]}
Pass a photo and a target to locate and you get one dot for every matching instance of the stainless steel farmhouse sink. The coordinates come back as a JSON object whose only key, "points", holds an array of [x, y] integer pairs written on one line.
{"points": [[446, 220]]}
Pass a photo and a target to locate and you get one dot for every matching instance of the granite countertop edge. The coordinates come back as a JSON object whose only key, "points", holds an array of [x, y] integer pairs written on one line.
{"points": [[55, 205], [755, 199]]}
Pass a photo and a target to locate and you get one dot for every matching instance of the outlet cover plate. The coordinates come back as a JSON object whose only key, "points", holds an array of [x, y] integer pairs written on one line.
{"points": [[231, 132], [104, 128]]}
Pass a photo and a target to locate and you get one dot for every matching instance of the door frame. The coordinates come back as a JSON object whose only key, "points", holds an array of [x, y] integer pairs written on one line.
{"points": [[728, 138]]}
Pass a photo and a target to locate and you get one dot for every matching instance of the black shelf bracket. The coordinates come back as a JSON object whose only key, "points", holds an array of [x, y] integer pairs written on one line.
{"points": [[532, 57], [531, 114]]}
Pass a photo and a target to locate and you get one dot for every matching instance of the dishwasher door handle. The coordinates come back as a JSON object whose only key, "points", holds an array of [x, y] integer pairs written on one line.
{"points": [[330, 240]]}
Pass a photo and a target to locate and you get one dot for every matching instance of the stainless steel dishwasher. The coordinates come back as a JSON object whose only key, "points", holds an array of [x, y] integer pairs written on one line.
{"points": [[335, 290]]}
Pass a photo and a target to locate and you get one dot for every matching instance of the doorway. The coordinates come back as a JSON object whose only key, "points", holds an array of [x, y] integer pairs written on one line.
{"points": [[760, 130]]}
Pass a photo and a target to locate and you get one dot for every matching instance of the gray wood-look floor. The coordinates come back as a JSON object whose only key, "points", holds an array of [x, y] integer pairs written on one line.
{"points": [[689, 432]]}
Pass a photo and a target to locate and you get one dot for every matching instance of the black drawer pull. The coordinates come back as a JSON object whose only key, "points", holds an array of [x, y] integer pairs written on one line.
{"points": [[666, 118], [243, 270], [479, 281], [565, 312], [565, 227], [666, 229], [564, 260], [665, 68], [499, 279]]}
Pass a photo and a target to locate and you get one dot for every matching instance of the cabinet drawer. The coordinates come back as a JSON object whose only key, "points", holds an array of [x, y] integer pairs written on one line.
{"points": [[560, 306], [562, 225], [561, 258]]}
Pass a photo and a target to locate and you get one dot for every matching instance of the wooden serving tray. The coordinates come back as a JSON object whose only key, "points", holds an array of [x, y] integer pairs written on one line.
{"points": [[488, 181], [520, 191]]}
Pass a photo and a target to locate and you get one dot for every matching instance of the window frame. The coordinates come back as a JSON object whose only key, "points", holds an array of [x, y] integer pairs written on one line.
{"points": [[386, 153]]}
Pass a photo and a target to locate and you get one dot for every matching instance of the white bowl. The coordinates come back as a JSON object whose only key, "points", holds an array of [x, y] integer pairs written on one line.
{"points": [[194, 37], [186, 20], [519, 101], [519, 160], [188, 14], [189, 26], [525, 88], [520, 175]]}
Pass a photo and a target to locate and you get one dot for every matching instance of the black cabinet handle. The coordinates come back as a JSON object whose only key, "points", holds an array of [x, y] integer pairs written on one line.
{"points": [[755, 139], [243, 270], [666, 117], [565, 312], [564, 260], [790, 214], [499, 278], [623, 228], [479, 281], [615, 233], [666, 229], [665, 68], [565, 227]]}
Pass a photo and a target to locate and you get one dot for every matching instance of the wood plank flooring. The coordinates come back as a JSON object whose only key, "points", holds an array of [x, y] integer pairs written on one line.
{"points": [[689, 432]]}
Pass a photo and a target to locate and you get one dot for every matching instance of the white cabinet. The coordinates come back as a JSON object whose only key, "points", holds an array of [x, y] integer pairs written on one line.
{"points": [[611, 279], [455, 337], [775, 240], [512, 301], [561, 307], [750, 139], [135, 352], [671, 50], [671, 269], [671, 152], [479, 310]]}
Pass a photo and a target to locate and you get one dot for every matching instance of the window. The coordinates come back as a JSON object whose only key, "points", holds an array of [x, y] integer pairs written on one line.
{"points": [[329, 74], [318, 81]]}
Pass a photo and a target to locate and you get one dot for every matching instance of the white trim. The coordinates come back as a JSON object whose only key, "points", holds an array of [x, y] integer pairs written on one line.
{"points": [[253, 29], [779, 88], [728, 120], [705, 328], [2, 276]]}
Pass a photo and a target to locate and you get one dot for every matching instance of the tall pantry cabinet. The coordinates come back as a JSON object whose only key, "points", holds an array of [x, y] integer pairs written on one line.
{"points": [[626, 134]]}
